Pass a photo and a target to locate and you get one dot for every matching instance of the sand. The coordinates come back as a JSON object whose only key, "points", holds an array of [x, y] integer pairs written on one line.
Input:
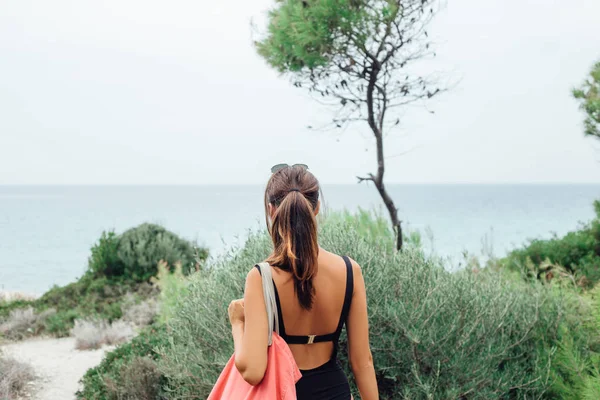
{"points": [[57, 363]]}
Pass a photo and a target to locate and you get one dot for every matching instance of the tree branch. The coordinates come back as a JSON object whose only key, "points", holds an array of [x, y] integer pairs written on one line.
{"points": [[368, 178]]}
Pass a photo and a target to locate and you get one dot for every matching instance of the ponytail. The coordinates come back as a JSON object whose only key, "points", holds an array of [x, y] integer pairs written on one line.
{"points": [[293, 230]]}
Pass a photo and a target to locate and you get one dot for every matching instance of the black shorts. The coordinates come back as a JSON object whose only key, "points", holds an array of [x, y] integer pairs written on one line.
{"points": [[327, 382]]}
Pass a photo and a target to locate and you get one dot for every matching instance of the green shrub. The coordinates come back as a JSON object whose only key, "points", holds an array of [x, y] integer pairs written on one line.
{"points": [[578, 252], [576, 368], [6, 307], [88, 297], [61, 323], [210, 292], [141, 248], [575, 374], [435, 335], [135, 254], [99, 298], [173, 287], [94, 295], [104, 260], [372, 227], [121, 372], [139, 380], [119, 266], [130, 372]]}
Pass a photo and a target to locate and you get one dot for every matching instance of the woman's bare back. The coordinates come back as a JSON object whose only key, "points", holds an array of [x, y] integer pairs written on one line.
{"points": [[323, 318]]}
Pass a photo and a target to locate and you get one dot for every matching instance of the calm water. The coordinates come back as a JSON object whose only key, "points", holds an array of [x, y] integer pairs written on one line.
{"points": [[46, 232]]}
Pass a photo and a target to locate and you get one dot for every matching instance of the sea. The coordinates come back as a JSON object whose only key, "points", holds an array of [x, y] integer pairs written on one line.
{"points": [[46, 232]]}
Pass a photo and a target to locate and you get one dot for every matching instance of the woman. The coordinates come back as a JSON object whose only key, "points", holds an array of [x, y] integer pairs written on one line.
{"points": [[316, 291]]}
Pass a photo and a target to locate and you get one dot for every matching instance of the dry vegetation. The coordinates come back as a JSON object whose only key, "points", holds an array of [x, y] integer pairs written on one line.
{"points": [[24, 322], [92, 334], [14, 377], [142, 314]]}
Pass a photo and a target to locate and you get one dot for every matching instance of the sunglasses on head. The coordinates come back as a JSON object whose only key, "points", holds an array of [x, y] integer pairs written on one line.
{"points": [[279, 167]]}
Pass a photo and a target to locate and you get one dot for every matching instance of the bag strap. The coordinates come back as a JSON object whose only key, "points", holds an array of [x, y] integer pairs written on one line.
{"points": [[270, 301]]}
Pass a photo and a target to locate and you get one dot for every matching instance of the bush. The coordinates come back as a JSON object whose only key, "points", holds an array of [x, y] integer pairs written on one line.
{"points": [[19, 324], [140, 380], [135, 254], [100, 296], [209, 294], [106, 381], [104, 260], [435, 335], [173, 287], [578, 252], [141, 249], [22, 323], [95, 298], [576, 369], [119, 270], [118, 332], [14, 376], [6, 307], [140, 314], [91, 334], [60, 323]]}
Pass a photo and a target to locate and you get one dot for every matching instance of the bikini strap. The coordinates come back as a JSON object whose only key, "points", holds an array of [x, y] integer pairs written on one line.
{"points": [[347, 296]]}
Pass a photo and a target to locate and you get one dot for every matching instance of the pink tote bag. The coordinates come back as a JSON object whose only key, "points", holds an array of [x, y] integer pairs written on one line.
{"points": [[279, 382]]}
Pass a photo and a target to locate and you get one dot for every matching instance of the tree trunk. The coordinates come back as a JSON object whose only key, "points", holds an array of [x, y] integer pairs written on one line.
{"points": [[389, 204], [377, 129]]}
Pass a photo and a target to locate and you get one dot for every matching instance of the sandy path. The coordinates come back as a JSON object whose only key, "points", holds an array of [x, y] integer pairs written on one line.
{"points": [[57, 363]]}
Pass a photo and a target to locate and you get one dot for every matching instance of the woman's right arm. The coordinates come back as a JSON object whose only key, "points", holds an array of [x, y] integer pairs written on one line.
{"points": [[359, 349]]}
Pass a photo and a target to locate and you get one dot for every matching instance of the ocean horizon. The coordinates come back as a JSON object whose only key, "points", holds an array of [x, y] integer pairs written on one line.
{"points": [[46, 231]]}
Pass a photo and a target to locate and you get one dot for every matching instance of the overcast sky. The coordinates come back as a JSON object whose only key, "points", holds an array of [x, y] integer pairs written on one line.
{"points": [[172, 92]]}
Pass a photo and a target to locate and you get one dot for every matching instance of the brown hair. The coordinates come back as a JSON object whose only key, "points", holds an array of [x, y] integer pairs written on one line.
{"points": [[294, 192]]}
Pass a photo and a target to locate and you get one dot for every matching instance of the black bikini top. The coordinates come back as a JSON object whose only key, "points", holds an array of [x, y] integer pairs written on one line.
{"points": [[330, 337]]}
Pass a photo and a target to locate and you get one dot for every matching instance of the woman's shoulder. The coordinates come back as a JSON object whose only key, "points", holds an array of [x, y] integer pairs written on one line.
{"points": [[336, 261], [254, 275]]}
